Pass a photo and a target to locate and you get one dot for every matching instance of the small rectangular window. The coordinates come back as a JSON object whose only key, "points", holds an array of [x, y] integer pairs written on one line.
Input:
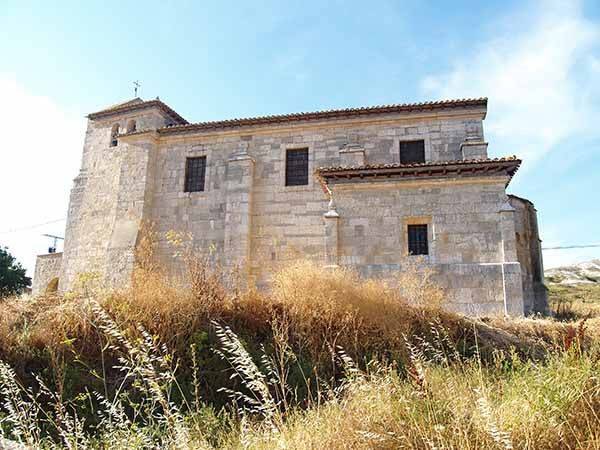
{"points": [[195, 171], [296, 167], [417, 240], [412, 152]]}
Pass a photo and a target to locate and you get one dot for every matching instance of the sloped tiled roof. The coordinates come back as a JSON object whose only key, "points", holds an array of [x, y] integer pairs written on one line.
{"points": [[138, 104], [133, 101], [467, 167], [516, 197], [326, 114]]}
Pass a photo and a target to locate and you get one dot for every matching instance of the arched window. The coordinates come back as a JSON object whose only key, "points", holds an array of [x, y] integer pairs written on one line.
{"points": [[131, 126], [114, 134]]}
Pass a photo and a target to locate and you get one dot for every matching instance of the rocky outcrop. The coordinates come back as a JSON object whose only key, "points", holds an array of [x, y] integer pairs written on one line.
{"points": [[585, 272]]}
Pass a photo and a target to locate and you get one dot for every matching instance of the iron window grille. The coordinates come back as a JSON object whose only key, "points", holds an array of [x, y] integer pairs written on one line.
{"points": [[296, 167], [412, 152], [195, 172], [417, 240]]}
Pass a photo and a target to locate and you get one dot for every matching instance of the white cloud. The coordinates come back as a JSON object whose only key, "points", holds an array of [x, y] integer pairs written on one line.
{"points": [[538, 76], [540, 71], [40, 155]]}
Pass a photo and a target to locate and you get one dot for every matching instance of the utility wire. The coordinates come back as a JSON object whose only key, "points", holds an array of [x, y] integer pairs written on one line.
{"points": [[571, 246], [31, 227]]}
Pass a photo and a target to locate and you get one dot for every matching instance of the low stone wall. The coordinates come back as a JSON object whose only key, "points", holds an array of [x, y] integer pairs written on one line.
{"points": [[47, 267]]}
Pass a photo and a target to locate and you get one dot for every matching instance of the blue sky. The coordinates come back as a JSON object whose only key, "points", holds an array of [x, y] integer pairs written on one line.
{"points": [[538, 62]]}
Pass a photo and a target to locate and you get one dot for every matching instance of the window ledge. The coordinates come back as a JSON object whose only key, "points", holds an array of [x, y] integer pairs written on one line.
{"points": [[300, 188]]}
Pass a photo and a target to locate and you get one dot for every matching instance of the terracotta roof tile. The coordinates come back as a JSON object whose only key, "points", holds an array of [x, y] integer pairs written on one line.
{"points": [[508, 166], [425, 164], [133, 101], [135, 105], [326, 114]]}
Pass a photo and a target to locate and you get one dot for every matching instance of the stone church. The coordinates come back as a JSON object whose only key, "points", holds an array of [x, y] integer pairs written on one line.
{"points": [[370, 188]]}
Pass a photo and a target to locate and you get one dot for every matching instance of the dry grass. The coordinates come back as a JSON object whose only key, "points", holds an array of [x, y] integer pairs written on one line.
{"points": [[411, 375], [330, 308], [323, 310], [577, 301], [553, 406]]}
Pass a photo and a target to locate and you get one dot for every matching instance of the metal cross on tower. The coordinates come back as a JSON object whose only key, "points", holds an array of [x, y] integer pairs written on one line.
{"points": [[136, 85]]}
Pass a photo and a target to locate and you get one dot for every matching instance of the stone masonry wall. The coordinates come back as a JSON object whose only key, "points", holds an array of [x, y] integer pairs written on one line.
{"points": [[246, 216], [529, 251], [465, 242], [107, 202], [286, 221], [47, 267]]}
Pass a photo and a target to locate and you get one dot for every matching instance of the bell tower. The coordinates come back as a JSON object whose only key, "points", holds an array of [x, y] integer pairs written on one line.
{"points": [[111, 194]]}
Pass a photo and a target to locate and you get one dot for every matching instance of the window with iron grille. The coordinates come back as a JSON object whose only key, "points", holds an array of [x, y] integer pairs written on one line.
{"points": [[417, 240], [296, 167], [412, 152], [195, 171]]}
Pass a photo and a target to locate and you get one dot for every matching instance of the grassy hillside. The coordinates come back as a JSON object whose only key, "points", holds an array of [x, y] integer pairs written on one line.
{"points": [[577, 301], [324, 360]]}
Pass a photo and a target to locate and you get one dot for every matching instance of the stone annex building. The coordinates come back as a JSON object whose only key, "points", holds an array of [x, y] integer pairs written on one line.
{"points": [[368, 188]]}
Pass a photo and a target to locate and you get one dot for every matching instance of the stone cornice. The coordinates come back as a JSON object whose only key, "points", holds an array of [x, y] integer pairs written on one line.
{"points": [[139, 136], [272, 130], [51, 255], [392, 184]]}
